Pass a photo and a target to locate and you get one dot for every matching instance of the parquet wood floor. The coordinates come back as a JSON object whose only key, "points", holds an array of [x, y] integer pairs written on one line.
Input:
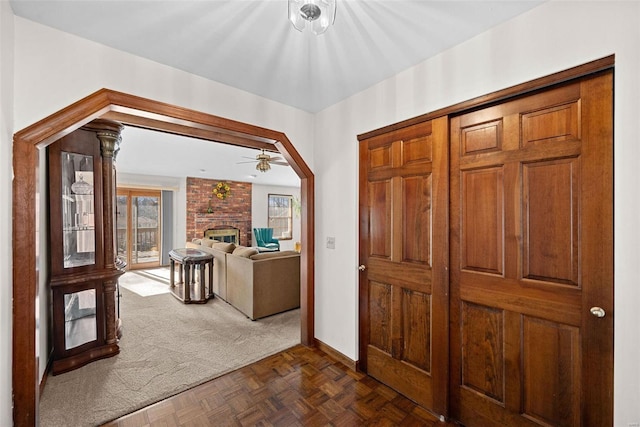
{"points": [[299, 387]]}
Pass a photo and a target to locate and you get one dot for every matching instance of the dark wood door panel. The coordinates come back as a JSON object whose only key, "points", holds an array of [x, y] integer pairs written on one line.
{"points": [[553, 350], [403, 211], [380, 316], [551, 125], [416, 219], [553, 151], [407, 133], [550, 98], [531, 228], [416, 329], [483, 358], [406, 338], [413, 382], [379, 214], [512, 296], [414, 276], [550, 195], [504, 351], [406, 170], [482, 220]]}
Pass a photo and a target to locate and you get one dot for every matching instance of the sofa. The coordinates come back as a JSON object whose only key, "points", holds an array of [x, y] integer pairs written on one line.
{"points": [[262, 284], [257, 284]]}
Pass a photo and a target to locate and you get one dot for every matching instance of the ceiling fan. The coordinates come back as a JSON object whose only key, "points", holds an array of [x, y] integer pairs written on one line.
{"points": [[264, 161]]}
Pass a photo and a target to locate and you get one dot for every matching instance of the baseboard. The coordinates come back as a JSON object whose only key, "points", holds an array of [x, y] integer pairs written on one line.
{"points": [[335, 354], [46, 373]]}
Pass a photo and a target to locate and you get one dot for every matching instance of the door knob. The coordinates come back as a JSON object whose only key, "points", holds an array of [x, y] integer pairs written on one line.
{"points": [[362, 267], [598, 311]]}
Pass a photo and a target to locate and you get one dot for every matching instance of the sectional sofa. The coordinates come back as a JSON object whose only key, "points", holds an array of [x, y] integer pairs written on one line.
{"points": [[257, 284]]}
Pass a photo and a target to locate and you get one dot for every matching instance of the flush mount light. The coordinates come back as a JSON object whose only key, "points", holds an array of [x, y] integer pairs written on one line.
{"points": [[319, 13]]}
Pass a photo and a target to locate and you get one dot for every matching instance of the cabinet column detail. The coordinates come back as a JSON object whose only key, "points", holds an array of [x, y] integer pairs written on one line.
{"points": [[109, 291]]}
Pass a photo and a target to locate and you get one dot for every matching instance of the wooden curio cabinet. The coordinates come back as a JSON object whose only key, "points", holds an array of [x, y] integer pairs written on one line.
{"points": [[84, 270]]}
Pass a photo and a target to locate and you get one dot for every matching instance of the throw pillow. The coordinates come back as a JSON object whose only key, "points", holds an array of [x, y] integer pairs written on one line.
{"points": [[208, 242], [245, 252], [224, 247]]}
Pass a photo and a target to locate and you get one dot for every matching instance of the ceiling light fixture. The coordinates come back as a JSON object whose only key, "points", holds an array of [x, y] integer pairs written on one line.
{"points": [[319, 13], [263, 165]]}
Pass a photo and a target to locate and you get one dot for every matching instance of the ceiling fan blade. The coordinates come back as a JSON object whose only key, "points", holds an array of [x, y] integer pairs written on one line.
{"points": [[239, 163], [246, 157], [279, 163]]}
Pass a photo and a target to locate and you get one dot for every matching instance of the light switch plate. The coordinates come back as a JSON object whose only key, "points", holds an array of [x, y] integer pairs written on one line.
{"points": [[331, 242]]}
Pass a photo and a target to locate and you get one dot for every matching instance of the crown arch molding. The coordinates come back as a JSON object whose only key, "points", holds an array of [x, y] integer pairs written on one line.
{"points": [[144, 113]]}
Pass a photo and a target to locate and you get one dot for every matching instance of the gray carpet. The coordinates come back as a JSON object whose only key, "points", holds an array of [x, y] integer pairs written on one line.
{"points": [[166, 347]]}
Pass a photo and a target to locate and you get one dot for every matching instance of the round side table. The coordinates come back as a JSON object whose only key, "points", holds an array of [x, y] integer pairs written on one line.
{"points": [[187, 289]]}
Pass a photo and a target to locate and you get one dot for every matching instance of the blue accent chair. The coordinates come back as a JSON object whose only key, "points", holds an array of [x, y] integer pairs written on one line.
{"points": [[265, 240]]}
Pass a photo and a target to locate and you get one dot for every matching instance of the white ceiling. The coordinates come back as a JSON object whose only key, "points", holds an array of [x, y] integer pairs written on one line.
{"points": [[144, 152], [250, 45]]}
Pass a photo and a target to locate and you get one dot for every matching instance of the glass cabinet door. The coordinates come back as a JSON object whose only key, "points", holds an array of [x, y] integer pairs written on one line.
{"points": [[80, 324], [78, 210]]}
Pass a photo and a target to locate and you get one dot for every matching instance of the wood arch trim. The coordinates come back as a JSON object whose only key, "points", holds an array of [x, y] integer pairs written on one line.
{"points": [[144, 113]]}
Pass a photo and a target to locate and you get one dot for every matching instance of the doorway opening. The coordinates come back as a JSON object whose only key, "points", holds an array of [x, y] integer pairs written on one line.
{"points": [[139, 229], [134, 111]]}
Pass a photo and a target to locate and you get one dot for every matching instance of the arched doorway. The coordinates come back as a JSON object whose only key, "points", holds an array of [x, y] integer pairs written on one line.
{"points": [[144, 113]]}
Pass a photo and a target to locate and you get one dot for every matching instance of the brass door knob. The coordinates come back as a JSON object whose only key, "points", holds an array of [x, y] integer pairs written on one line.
{"points": [[598, 311], [362, 267]]}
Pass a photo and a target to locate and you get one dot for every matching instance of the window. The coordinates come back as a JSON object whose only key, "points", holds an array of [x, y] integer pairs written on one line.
{"points": [[280, 215]]}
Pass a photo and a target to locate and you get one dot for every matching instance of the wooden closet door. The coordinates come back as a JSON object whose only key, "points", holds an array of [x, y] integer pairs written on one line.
{"points": [[404, 257], [532, 258]]}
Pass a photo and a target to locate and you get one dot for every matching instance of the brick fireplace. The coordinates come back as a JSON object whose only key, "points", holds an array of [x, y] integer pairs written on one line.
{"points": [[234, 211]]}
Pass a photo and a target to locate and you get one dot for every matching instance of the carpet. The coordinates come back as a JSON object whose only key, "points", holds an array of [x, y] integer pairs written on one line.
{"points": [[157, 284], [166, 347]]}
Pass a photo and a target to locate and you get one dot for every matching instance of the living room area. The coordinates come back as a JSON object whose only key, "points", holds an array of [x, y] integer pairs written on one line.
{"points": [[185, 172], [192, 193], [166, 345]]}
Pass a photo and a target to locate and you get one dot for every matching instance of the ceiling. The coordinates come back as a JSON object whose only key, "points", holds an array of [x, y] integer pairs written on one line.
{"points": [[145, 152], [250, 45]]}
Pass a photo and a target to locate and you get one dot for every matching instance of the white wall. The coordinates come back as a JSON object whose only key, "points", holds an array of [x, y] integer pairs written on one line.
{"points": [[260, 211], [76, 67], [6, 137], [550, 38]]}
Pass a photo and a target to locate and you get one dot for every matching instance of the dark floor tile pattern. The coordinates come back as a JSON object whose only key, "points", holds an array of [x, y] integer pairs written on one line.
{"points": [[298, 387]]}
